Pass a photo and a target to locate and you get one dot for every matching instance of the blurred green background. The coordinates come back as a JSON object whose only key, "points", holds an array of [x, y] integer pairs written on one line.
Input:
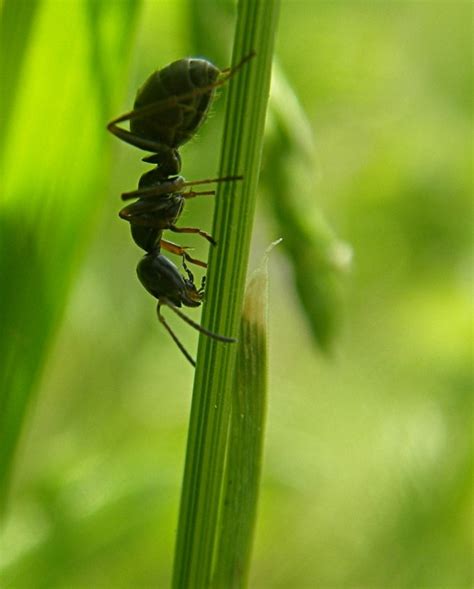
{"points": [[368, 466]]}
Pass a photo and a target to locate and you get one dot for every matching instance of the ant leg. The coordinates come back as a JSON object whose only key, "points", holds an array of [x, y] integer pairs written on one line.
{"points": [[212, 180], [191, 277], [155, 107], [137, 113], [131, 138], [202, 288], [160, 224], [164, 189], [193, 193], [200, 328], [193, 230], [228, 72], [181, 251], [175, 185], [188, 272], [163, 321]]}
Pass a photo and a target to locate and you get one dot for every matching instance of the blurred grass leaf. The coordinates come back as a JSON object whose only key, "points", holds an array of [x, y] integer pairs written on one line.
{"points": [[52, 166], [318, 257], [17, 19]]}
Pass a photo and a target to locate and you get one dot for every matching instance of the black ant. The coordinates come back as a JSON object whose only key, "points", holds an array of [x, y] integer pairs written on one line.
{"points": [[169, 108]]}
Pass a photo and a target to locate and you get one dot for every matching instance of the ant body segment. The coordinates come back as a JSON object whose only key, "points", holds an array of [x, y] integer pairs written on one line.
{"points": [[168, 110], [159, 205]]}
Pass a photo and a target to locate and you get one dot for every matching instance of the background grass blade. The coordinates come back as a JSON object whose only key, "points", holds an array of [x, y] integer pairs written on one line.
{"points": [[16, 22], [233, 222], [52, 170], [318, 257]]}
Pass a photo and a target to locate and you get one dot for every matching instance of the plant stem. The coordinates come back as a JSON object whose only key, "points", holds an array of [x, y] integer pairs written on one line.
{"points": [[235, 205]]}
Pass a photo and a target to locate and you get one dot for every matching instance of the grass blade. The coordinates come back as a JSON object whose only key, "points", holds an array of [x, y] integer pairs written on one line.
{"points": [[246, 437], [52, 167], [233, 221]]}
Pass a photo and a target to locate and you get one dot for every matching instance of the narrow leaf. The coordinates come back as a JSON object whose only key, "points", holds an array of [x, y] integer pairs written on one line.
{"points": [[235, 205], [52, 166], [246, 438]]}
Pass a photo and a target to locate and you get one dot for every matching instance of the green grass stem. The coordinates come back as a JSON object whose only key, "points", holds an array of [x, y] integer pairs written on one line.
{"points": [[246, 438], [247, 98]]}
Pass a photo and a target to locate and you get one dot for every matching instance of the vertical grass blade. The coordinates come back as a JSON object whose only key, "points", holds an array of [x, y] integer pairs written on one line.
{"points": [[246, 437], [52, 166], [235, 205], [16, 22]]}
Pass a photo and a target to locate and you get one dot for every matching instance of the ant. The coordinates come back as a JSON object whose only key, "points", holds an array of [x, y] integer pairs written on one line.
{"points": [[168, 110]]}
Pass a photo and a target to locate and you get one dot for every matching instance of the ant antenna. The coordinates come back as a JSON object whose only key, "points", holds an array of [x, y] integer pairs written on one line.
{"points": [[211, 180], [228, 72]]}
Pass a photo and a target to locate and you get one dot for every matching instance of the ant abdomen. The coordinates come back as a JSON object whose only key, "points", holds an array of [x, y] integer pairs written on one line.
{"points": [[175, 125]]}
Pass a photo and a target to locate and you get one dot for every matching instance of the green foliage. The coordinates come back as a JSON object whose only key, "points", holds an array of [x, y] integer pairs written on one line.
{"points": [[368, 458]]}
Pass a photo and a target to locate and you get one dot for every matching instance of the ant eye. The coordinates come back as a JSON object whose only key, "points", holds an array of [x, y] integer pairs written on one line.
{"points": [[169, 109]]}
